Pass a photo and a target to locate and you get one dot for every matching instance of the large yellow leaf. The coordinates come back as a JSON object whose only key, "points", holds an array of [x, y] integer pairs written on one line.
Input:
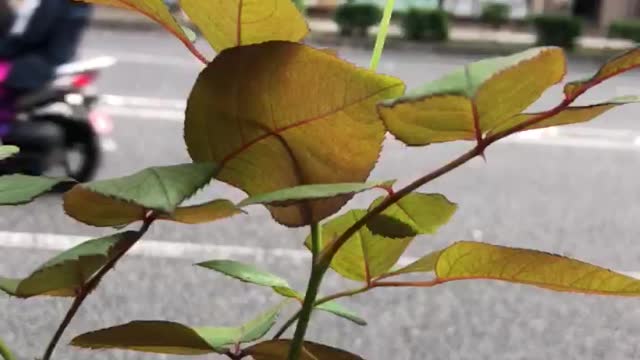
{"points": [[281, 114], [158, 12], [365, 255], [571, 115], [469, 102], [615, 66], [279, 349], [229, 23], [473, 260]]}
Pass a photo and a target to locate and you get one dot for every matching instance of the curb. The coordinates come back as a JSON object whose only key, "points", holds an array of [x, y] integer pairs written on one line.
{"points": [[470, 48], [119, 19]]}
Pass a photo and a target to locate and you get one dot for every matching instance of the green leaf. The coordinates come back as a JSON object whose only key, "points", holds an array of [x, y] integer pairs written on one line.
{"points": [[420, 213], [230, 23], [475, 99], [426, 263], [203, 213], [164, 337], [331, 307], [571, 115], [297, 194], [365, 255], [20, 189], [69, 271], [339, 310], [124, 200], [472, 260], [287, 292], [625, 62], [268, 138], [160, 337], [279, 349], [260, 326], [7, 151], [245, 273]]}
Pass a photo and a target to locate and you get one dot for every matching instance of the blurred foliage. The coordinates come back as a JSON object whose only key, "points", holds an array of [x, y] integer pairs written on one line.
{"points": [[496, 14], [625, 29], [354, 18], [557, 30], [426, 24]]}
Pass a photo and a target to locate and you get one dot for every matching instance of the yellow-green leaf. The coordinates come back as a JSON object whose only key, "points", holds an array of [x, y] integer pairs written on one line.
{"points": [[7, 151], [426, 263], [68, 271], [230, 23], [302, 193], [365, 255], [164, 337], [279, 349], [420, 213], [159, 337], [473, 260], [268, 138], [121, 201], [99, 210], [571, 115], [471, 101], [157, 11], [203, 213], [625, 62]]}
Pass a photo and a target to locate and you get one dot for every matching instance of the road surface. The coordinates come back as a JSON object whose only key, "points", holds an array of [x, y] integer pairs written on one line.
{"points": [[573, 191]]}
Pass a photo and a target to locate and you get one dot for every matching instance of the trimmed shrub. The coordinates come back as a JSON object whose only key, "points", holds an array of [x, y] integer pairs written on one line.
{"points": [[557, 30], [625, 29], [496, 14], [426, 24], [356, 18]]}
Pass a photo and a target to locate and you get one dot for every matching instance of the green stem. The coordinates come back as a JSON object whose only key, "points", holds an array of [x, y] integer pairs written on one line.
{"points": [[382, 35], [5, 352], [319, 302], [317, 273]]}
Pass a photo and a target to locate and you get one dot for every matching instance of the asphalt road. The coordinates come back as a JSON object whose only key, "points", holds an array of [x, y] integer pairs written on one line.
{"points": [[572, 192]]}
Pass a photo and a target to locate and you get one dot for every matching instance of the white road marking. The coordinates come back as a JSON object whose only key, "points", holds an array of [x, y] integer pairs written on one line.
{"points": [[146, 102], [147, 59], [571, 136], [174, 250], [150, 248], [144, 113]]}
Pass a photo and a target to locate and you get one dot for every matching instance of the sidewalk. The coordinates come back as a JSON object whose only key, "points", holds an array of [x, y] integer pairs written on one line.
{"points": [[479, 34], [462, 38]]}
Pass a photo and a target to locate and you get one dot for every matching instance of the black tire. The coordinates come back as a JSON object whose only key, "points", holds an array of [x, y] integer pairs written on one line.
{"points": [[87, 144], [80, 138]]}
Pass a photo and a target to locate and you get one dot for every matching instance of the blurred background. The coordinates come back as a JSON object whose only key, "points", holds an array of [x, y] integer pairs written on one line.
{"points": [[571, 190]]}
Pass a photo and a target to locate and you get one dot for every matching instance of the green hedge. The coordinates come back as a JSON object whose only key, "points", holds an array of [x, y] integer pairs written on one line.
{"points": [[357, 17], [557, 30], [426, 24], [625, 29], [496, 14]]}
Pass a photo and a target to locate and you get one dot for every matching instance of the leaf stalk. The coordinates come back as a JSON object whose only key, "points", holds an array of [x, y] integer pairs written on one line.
{"points": [[383, 31]]}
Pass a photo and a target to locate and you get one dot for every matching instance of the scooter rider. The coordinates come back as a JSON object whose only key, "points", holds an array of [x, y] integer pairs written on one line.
{"points": [[36, 36], [42, 35]]}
